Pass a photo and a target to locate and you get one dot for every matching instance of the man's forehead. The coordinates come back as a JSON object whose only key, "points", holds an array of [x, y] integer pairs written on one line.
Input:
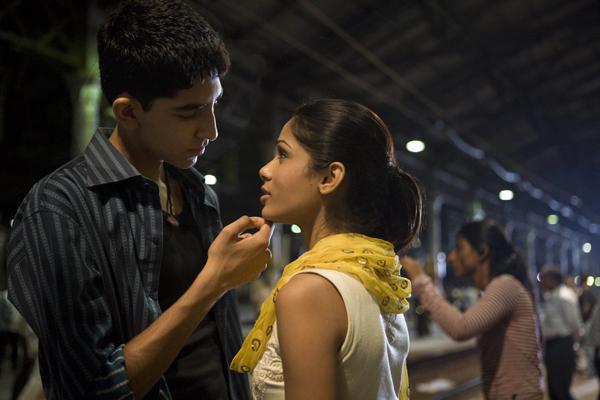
{"points": [[200, 94]]}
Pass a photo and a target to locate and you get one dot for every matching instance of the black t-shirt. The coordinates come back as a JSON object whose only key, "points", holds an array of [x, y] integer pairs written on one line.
{"points": [[198, 372]]}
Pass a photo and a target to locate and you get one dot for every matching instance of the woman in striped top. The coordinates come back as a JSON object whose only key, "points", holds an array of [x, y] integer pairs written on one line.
{"points": [[504, 318]]}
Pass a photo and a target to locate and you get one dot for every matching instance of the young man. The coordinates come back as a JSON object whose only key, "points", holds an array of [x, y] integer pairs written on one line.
{"points": [[561, 327], [114, 259]]}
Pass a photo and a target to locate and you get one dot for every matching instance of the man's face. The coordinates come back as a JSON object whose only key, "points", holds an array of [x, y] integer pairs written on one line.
{"points": [[548, 282], [178, 129]]}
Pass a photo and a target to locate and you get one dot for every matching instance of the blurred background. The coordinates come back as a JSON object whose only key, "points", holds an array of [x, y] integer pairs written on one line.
{"points": [[494, 106]]}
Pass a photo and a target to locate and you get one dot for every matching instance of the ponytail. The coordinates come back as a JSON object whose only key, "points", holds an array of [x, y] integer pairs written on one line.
{"points": [[403, 213]]}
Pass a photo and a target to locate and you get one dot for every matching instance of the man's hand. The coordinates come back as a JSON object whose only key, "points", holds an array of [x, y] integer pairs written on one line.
{"points": [[411, 266], [236, 257]]}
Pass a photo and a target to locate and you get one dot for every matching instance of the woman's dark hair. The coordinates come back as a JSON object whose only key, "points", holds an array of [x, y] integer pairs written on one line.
{"points": [[380, 199], [504, 259], [154, 48]]}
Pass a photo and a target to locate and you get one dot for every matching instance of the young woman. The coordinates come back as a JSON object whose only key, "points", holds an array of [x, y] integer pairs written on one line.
{"points": [[504, 318], [333, 327]]}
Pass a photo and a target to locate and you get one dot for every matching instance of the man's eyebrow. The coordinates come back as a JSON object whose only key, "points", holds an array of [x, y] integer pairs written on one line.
{"points": [[193, 106]]}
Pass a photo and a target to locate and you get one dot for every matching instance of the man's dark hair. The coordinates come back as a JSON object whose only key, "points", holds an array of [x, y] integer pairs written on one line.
{"points": [[154, 48], [552, 272]]}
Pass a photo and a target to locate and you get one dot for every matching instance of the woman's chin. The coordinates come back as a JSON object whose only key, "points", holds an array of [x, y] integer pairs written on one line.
{"points": [[269, 216]]}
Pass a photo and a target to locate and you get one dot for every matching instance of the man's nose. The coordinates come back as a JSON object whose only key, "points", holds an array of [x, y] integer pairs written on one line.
{"points": [[208, 127]]}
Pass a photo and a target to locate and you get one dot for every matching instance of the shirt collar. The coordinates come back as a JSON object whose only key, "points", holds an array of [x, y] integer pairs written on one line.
{"points": [[195, 181], [105, 163]]}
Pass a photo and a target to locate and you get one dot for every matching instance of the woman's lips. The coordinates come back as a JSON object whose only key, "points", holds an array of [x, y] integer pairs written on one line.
{"points": [[264, 197]]}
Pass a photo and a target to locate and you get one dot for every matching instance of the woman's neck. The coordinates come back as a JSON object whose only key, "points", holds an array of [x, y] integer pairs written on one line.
{"points": [[316, 230], [483, 275]]}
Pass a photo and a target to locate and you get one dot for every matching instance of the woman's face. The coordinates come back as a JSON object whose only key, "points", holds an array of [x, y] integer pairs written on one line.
{"points": [[290, 190], [464, 258]]}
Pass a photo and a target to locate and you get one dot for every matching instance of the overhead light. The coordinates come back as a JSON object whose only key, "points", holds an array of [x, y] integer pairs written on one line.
{"points": [[597, 281], [566, 211], [587, 247], [552, 219], [589, 281], [577, 280], [210, 179], [415, 146], [536, 193], [506, 195], [295, 229]]}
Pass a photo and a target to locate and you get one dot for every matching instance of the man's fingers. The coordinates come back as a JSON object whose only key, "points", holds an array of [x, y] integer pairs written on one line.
{"points": [[260, 238], [264, 234], [244, 223], [270, 223]]}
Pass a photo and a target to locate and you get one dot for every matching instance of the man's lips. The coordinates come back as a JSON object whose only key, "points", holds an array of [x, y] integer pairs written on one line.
{"points": [[198, 150]]}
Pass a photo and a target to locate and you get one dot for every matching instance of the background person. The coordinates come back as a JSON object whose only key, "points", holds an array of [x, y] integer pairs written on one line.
{"points": [[504, 318], [562, 327]]}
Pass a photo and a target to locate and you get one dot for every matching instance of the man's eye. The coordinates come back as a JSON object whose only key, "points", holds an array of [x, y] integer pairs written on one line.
{"points": [[188, 115]]}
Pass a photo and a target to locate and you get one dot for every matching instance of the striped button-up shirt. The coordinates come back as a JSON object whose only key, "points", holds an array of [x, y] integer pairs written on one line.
{"points": [[84, 259]]}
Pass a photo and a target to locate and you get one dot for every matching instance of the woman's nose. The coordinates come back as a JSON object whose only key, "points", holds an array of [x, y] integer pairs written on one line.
{"points": [[451, 256], [265, 172]]}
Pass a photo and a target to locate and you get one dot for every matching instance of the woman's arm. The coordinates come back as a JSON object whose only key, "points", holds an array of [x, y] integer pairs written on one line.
{"points": [[311, 326], [499, 300]]}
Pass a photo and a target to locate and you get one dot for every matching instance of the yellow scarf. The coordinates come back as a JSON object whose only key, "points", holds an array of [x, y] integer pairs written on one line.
{"points": [[369, 260]]}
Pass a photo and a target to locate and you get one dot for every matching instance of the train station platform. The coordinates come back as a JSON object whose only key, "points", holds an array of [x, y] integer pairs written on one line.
{"points": [[441, 368]]}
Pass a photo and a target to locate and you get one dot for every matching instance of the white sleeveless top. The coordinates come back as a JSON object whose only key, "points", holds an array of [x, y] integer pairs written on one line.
{"points": [[370, 358]]}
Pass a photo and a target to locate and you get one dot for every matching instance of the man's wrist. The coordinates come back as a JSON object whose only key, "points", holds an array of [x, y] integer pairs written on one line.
{"points": [[209, 282]]}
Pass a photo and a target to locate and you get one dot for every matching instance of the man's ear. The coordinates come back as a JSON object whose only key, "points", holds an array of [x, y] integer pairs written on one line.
{"points": [[127, 110], [332, 178]]}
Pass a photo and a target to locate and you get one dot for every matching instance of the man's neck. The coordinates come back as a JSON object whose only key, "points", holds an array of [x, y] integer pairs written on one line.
{"points": [[151, 169]]}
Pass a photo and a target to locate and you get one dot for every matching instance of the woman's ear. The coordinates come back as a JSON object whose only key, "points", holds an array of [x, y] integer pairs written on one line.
{"points": [[484, 253], [332, 178], [126, 110]]}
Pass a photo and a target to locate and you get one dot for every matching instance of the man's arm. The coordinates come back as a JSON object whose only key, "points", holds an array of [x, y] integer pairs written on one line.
{"points": [[56, 286], [233, 259], [58, 289]]}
